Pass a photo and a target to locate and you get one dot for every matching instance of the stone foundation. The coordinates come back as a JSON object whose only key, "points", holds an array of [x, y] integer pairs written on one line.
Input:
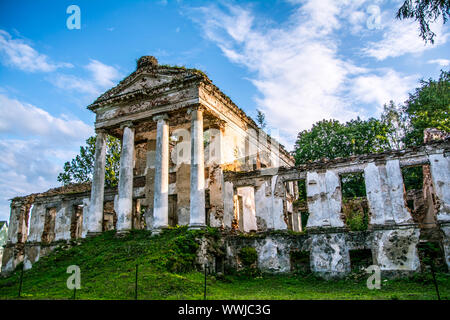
{"points": [[393, 250]]}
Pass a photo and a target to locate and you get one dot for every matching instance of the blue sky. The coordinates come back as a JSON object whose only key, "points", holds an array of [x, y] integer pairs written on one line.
{"points": [[299, 61]]}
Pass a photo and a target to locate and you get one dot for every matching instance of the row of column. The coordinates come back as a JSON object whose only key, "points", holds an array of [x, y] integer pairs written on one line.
{"points": [[161, 188]]}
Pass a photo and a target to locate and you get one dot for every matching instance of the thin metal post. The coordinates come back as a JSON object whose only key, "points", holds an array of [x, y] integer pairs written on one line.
{"points": [[204, 292], [75, 293], [434, 279]]}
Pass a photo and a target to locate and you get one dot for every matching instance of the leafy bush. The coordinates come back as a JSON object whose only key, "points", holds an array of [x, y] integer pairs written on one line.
{"points": [[182, 251], [356, 221], [248, 256], [355, 214]]}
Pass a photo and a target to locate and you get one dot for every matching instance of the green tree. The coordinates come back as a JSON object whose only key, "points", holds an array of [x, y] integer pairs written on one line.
{"points": [[396, 122], [323, 140], [261, 119], [428, 107], [331, 139], [80, 168], [425, 12]]}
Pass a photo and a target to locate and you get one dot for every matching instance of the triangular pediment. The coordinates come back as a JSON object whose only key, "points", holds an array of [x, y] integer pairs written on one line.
{"points": [[140, 81], [145, 81], [149, 75]]}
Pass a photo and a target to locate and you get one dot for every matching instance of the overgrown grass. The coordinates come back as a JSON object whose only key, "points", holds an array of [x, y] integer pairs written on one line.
{"points": [[166, 271]]}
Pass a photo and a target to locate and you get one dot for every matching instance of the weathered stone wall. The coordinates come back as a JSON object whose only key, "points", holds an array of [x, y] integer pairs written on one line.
{"points": [[56, 216], [392, 236], [393, 250]]}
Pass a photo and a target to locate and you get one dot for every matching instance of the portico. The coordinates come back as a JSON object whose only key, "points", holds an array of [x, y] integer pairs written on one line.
{"points": [[165, 118]]}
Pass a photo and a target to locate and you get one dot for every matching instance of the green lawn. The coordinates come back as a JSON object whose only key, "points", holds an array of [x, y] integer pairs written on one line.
{"points": [[165, 272]]}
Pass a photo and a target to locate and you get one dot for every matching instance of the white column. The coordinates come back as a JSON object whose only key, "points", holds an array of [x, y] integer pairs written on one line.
{"points": [[94, 221], [197, 196], [125, 197], [384, 188], [324, 199], [440, 173], [161, 193]]}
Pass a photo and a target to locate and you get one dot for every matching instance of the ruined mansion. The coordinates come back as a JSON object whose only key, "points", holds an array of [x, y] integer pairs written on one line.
{"points": [[190, 156]]}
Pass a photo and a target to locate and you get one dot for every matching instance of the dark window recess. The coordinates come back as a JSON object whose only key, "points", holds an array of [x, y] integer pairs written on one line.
{"points": [[360, 258], [48, 235], [76, 222], [300, 204], [241, 213], [173, 215], [172, 177], [109, 216], [139, 181], [220, 266], [413, 178], [410, 204], [300, 261], [304, 219]]}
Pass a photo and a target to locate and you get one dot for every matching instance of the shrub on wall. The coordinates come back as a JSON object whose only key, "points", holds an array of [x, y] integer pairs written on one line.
{"points": [[248, 256], [182, 253], [355, 215]]}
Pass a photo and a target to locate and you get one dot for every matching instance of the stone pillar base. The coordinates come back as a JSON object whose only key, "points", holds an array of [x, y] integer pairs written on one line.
{"points": [[122, 233], [92, 234], [196, 226], [157, 231]]}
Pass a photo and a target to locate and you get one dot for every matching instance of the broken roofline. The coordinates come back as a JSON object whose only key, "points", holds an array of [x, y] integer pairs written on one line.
{"points": [[72, 188], [192, 76], [412, 156]]}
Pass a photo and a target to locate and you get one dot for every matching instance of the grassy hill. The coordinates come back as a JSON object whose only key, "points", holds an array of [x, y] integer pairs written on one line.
{"points": [[166, 271]]}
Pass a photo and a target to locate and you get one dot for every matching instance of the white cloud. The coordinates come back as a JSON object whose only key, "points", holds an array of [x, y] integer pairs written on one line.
{"points": [[74, 83], [25, 167], [440, 62], [101, 77], [402, 37], [103, 74], [27, 120], [380, 89], [299, 71], [34, 146], [18, 54], [357, 19]]}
